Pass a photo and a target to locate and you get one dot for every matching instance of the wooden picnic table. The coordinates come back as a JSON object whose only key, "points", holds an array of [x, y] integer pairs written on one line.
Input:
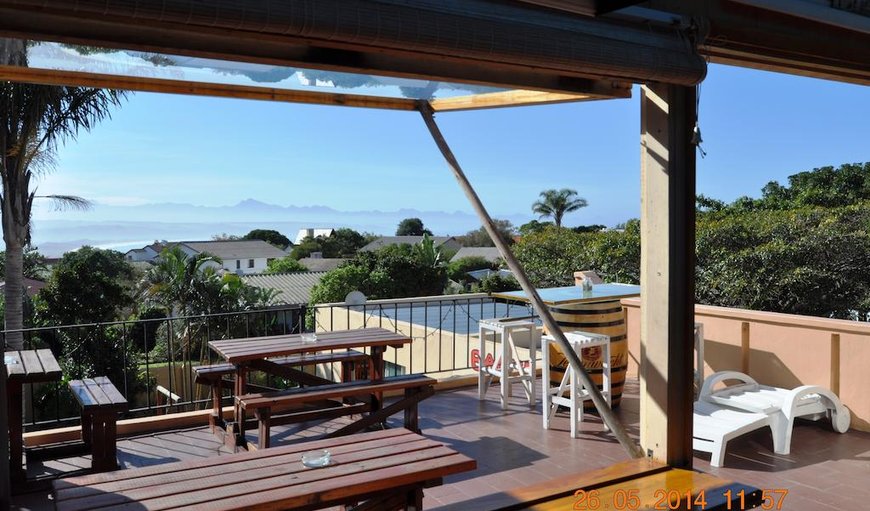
{"points": [[253, 353], [25, 366], [387, 469]]}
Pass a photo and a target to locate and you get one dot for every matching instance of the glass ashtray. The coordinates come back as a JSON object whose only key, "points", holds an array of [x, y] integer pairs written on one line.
{"points": [[316, 459], [309, 337], [9, 360]]}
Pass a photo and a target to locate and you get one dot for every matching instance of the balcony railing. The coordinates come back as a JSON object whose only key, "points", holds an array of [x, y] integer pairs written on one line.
{"points": [[152, 359]]}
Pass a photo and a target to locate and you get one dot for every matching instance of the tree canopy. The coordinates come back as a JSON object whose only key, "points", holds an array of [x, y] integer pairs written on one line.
{"points": [[412, 227], [269, 236], [284, 265], [480, 238], [344, 242], [394, 271]]}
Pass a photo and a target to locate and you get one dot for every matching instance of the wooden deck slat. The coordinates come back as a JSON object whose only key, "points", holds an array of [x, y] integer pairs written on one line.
{"points": [[110, 391], [649, 490], [242, 475], [560, 486], [93, 479]]}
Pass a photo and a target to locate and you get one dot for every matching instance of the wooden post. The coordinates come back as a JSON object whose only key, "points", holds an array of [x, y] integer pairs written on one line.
{"points": [[835, 364], [744, 347], [667, 272]]}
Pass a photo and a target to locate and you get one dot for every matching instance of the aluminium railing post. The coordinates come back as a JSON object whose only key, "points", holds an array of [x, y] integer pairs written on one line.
{"points": [[606, 413]]}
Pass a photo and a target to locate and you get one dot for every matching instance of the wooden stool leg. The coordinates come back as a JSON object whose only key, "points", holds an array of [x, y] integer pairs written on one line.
{"points": [[103, 448], [87, 428], [414, 500], [216, 396], [264, 419], [412, 418], [14, 407]]}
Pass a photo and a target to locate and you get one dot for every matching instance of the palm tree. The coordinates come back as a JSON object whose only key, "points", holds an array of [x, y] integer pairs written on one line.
{"points": [[33, 118], [556, 203], [181, 282]]}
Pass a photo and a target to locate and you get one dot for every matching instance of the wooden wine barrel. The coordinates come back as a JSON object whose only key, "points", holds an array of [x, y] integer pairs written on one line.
{"points": [[605, 318]]}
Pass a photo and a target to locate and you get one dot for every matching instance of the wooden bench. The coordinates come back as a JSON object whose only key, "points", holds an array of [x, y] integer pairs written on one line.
{"points": [[101, 402], [215, 375], [415, 387], [648, 484]]}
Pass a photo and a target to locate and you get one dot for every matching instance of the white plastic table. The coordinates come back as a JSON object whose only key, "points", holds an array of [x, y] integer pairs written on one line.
{"points": [[507, 365], [553, 397]]}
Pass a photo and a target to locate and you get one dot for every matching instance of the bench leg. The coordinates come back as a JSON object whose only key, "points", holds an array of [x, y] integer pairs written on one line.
{"points": [[264, 419], [87, 428], [104, 450], [15, 404], [216, 418], [414, 500], [412, 418]]}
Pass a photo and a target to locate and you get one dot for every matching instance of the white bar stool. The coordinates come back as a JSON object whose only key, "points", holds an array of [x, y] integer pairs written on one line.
{"points": [[553, 397], [507, 365]]}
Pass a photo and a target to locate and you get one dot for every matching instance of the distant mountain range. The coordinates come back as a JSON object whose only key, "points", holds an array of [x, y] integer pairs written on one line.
{"points": [[125, 227]]}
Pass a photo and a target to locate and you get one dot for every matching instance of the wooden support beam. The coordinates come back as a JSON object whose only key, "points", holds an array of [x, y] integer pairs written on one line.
{"points": [[744, 347], [835, 364], [527, 97], [667, 272]]}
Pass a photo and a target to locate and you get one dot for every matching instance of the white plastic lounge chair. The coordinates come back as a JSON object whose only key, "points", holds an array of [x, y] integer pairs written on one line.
{"points": [[782, 405], [714, 426]]}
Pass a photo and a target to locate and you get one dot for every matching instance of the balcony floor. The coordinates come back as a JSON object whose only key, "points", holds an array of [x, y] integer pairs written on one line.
{"points": [[825, 470]]}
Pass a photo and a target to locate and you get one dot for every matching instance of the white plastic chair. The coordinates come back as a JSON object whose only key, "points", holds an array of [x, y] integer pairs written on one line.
{"points": [[714, 426], [782, 405]]}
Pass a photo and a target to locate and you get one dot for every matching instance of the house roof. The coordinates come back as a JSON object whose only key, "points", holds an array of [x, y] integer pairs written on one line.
{"points": [[321, 264], [403, 240], [489, 253], [295, 287], [237, 249]]}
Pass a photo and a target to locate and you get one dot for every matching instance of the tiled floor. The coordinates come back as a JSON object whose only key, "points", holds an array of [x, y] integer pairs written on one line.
{"points": [[825, 470]]}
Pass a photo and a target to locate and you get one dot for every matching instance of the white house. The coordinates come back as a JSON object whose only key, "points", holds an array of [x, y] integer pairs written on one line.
{"points": [[313, 232], [237, 256]]}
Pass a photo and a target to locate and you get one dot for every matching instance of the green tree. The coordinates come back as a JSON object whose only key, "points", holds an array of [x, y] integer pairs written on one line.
{"points": [[88, 285], [480, 238], [33, 118], [284, 265], [344, 242], [269, 236], [412, 227], [556, 203], [184, 285], [532, 227], [395, 271], [306, 248], [495, 283]]}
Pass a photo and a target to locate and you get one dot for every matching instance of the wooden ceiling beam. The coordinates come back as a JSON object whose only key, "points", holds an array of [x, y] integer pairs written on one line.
{"points": [[811, 40], [515, 97]]}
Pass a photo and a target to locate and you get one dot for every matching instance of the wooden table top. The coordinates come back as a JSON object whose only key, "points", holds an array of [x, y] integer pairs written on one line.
{"points": [[272, 478], [30, 366], [255, 348]]}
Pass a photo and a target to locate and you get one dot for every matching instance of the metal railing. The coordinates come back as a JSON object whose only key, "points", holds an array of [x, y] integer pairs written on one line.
{"points": [[140, 356]]}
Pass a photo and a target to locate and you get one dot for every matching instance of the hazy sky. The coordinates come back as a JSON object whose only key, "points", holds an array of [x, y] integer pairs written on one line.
{"points": [[756, 126]]}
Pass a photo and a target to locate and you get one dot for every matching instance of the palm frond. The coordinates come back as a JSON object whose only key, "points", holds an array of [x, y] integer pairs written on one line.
{"points": [[67, 202]]}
